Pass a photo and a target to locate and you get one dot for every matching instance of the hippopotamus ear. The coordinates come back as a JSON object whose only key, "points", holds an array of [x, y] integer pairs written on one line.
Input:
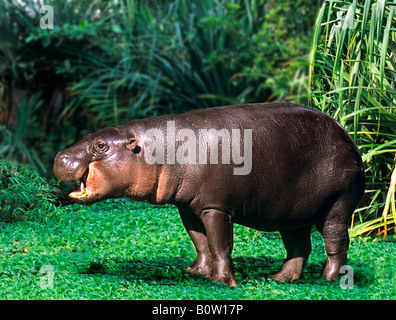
{"points": [[132, 145]]}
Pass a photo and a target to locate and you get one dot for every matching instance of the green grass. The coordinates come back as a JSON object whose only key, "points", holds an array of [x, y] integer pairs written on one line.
{"points": [[119, 249]]}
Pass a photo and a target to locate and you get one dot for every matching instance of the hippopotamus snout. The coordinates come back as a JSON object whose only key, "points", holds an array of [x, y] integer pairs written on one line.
{"points": [[86, 164], [69, 167]]}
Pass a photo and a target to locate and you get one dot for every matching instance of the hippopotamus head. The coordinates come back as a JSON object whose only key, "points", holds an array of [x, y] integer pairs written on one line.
{"points": [[97, 168]]}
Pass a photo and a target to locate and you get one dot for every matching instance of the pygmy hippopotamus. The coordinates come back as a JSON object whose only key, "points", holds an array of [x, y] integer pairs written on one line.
{"points": [[271, 166]]}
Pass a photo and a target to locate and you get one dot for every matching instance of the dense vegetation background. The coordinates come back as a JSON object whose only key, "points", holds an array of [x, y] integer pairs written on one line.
{"points": [[105, 62], [108, 61]]}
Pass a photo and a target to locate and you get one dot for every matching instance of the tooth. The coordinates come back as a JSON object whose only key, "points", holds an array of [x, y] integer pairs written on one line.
{"points": [[82, 188]]}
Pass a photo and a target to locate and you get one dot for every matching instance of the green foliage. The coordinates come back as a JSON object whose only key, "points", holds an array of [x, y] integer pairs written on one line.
{"points": [[354, 80], [120, 249], [192, 55], [106, 62], [24, 195], [36, 67], [15, 144]]}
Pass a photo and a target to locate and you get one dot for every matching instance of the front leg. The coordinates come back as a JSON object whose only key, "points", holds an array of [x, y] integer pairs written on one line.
{"points": [[219, 230], [196, 230]]}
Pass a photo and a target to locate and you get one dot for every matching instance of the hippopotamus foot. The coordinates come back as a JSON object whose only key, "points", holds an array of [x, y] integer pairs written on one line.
{"points": [[336, 241], [205, 269], [200, 267], [226, 277], [291, 270], [333, 266], [298, 247], [212, 236]]}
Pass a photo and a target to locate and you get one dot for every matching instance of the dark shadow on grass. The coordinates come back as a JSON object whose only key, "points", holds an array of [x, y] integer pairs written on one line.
{"points": [[364, 273], [163, 270], [254, 268], [172, 270], [249, 268]]}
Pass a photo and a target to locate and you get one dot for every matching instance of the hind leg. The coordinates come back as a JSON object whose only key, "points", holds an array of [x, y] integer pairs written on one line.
{"points": [[298, 247], [334, 230]]}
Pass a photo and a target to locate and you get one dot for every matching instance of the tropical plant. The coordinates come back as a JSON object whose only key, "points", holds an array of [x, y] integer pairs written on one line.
{"points": [[105, 62], [191, 54], [36, 67], [353, 78], [24, 195]]}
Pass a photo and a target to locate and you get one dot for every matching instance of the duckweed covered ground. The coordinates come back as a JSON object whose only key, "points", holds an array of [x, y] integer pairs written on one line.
{"points": [[119, 249]]}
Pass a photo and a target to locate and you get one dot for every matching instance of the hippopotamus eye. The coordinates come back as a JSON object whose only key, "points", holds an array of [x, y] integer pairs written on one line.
{"points": [[101, 146]]}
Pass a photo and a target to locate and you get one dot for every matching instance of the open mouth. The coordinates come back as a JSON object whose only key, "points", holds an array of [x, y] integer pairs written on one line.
{"points": [[80, 187]]}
